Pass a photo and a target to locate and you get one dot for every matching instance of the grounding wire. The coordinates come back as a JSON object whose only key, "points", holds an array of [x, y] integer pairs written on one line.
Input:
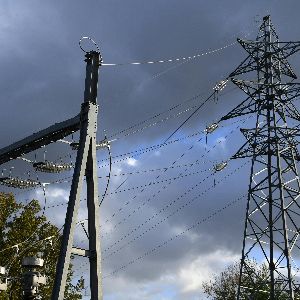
{"points": [[155, 76]]}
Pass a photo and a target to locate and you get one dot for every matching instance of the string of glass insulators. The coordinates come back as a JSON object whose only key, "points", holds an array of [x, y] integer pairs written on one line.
{"points": [[42, 166]]}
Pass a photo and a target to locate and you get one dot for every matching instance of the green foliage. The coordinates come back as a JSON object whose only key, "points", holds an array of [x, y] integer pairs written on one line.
{"points": [[224, 286], [27, 226]]}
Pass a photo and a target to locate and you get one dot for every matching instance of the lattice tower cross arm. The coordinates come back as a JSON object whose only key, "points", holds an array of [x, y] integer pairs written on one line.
{"points": [[273, 210]]}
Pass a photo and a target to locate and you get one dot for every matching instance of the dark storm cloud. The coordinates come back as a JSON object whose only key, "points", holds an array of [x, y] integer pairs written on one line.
{"points": [[42, 81]]}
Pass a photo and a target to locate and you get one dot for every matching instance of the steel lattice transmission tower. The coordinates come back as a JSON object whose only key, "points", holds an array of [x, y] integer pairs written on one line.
{"points": [[272, 224]]}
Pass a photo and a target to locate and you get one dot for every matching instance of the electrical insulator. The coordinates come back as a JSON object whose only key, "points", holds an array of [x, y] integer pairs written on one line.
{"points": [[51, 167], [19, 183], [32, 278], [219, 167], [220, 85], [100, 145], [211, 128], [3, 279]]}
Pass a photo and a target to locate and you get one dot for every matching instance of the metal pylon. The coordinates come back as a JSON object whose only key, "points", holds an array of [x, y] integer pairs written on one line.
{"points": [[272, 225], [86, 165]]}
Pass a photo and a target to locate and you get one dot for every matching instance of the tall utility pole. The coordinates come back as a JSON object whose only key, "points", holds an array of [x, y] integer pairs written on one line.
{"points": [[272, 224], [86, 165]]}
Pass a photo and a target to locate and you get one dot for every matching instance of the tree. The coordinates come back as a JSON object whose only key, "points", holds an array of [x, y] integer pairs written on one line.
{"points": [[27, 226], [224, 285]]}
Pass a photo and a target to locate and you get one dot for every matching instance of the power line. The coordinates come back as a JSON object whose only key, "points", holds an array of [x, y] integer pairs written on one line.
{"points": [[163, 169], [171, 203], [157, 75], [174, 162], [167, 118], [166, 242], [163, 244], [197, 109], [152, 147], [164, 187], [140, 151], [152, 183], [172, 59], [191, 115], [163, 119], [157, 115]]}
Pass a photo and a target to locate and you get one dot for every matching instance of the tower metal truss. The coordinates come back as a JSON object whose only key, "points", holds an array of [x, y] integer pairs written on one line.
{"points": [[272, 225]]}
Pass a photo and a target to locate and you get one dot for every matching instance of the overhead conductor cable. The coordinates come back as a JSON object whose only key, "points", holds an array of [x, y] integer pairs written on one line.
{"points": [[172, 59]]}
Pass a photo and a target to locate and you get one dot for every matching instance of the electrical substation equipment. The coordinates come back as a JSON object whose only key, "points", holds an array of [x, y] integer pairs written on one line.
{"points": [[32, 278], [15, 182], [3, 279], [51, 167]]}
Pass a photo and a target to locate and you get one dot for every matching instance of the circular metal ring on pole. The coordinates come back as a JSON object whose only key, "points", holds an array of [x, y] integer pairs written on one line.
{"points": [[90, 39]]}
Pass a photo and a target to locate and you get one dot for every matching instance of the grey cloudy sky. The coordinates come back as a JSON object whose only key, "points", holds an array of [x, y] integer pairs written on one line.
{"points": [[41, 82]]}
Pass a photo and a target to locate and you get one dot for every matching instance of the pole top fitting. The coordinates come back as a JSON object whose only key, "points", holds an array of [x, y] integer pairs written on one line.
{"points": [[89, 54]]}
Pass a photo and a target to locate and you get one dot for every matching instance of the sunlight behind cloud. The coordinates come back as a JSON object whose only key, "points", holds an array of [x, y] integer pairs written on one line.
{"points": [[131, 161], [202, 268]]}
